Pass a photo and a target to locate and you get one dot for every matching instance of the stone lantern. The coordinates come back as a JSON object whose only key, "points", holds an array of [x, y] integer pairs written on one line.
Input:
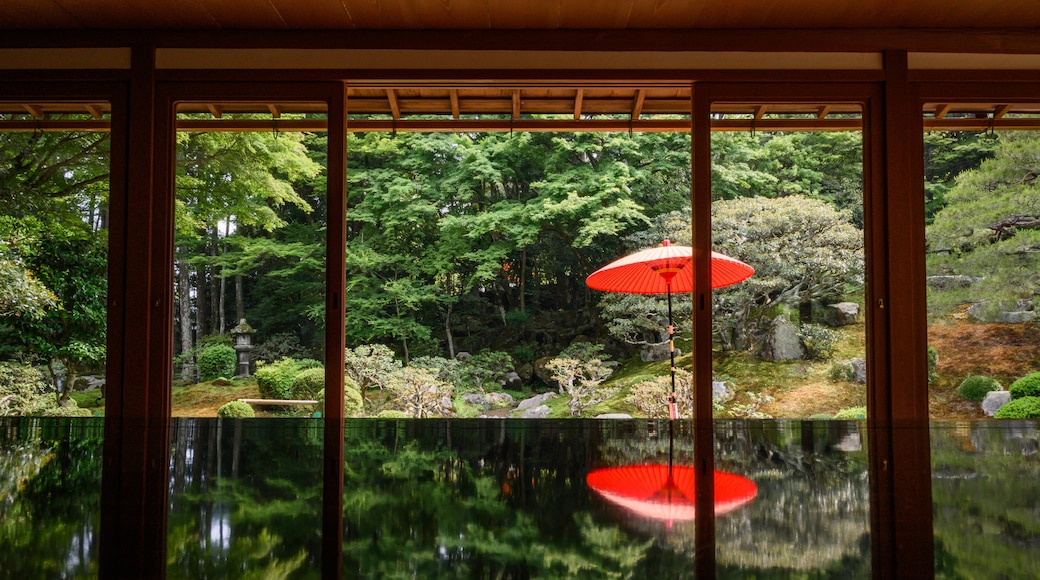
{"points": [[243, 334]]}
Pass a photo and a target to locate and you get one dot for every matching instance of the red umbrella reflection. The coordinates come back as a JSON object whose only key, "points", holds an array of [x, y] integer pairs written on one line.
{"points": [[667, 493], [663, 270]]}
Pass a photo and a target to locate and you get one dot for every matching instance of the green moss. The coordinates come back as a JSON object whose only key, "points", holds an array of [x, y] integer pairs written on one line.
{"points": [[307, 384], [851, 413], [1027, 386], [236, 410]]}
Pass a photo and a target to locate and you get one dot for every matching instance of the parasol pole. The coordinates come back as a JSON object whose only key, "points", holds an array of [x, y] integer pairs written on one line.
{"points": [[673, 411]]}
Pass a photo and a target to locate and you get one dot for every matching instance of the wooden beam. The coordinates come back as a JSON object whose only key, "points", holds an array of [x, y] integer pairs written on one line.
{"points": [[516, 103], [1001, 111], [94, 111], [941, 110], [759, 111], [637, 104], [276, 112], [821, 114], [214, 110], [454, 95], [578, 97], [395, 107], [33, 110]]}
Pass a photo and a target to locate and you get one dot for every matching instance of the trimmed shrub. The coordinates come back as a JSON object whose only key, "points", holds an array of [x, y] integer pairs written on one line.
{"points": [[393, 414], [974, 388], [819, 341], [216, 361], [1027, 386], [236, 410], [852, 413], [275, 380], [307, 384], [1023, 408], [842, 371], [353, 403]]}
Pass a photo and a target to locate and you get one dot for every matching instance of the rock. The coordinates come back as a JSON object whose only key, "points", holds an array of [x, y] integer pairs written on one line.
{"points": [[512, 380], [499, 399], [841, 314], [1007, 312], [784, 343], [947, 282], [475, 399], [526, 371], [534, 401], [539, 412], [655, 352], [859, 370], [462, 355], [613, 416], [995, 400], [719, 390], [543, 373]]}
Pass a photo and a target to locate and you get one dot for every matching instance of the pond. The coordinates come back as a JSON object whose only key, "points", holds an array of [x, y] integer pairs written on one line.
{"points": [[520, 498]]}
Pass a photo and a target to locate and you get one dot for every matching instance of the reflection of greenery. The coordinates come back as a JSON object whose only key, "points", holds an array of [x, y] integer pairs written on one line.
{"points": [[249, 556], [50, 493], [985, 493]]}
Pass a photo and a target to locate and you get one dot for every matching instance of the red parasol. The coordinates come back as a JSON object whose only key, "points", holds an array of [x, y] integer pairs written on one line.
{"points": [[663, 270], [666, 493]]}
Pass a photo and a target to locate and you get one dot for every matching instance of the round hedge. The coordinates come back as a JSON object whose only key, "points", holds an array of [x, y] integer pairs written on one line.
{"points": [[217, 361], [307, 384], [974, 388], [353, 402], [1024, 408], [1027, 386], [852, 413], [236, 410]]}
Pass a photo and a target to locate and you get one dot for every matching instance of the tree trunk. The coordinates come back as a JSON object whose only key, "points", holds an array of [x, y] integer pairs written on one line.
{"points": [[447, 331], [240, 307], [523, 280], [214, 283], [184, 303], [201, 301]]}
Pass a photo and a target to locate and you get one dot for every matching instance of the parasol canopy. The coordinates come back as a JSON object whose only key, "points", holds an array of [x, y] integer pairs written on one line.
{"points": [[662, 269], [665, 492]]}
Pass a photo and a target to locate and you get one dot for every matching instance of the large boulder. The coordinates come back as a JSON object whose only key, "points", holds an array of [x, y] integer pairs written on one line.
{"points": [[1008, 312], [784, 342], [859, 370], [512, 380], [841, 314], [534, 401], [655, 352], [499, 400], [947, 282], [995, 400], [539, 412]]}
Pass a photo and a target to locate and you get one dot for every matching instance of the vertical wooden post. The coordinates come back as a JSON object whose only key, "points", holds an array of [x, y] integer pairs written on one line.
{"points": [[136, 448], [703, 432], [335, 326], [898, 391]]}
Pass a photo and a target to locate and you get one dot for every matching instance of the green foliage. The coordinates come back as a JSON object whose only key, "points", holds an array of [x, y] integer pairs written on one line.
{"points": [[1027, 386], [1021, 408], [217, 361], [974, 388], [279, 345], [580, 372], [820, 416], [481, 371], [370, 365], [419, 393], [353, 403], [392, 414], [819, 341], [236, 410], [307, 383], [841, 371], [989, 227], [851, 413], [23, 391], [933, 363], [275, 380], [650, 396]]}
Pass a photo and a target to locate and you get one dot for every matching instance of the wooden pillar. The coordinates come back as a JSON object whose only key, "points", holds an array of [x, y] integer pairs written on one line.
{"points": [[335, 326], [901, 509], [136, 447], [703, 432]]}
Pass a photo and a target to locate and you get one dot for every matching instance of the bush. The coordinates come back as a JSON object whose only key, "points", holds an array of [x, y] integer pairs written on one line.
{"points": [[24, 391], [216, 361], [1027, 386], [275, 380], [1023, 408], [933, 363], [392, 414], [842, 371], [820, 417], [974, 388], [852, 413], [236, 410], [819, 341], [279, 346], [307, 384], [353, 403]]}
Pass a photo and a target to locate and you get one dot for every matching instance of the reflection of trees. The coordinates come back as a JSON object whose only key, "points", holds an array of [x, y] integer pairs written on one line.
{"points": [[985, 493], [50, 494], [245, 495]]}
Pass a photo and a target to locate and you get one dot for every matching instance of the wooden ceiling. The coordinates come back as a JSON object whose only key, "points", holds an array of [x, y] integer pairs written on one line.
{"points": [[514, 14]]}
